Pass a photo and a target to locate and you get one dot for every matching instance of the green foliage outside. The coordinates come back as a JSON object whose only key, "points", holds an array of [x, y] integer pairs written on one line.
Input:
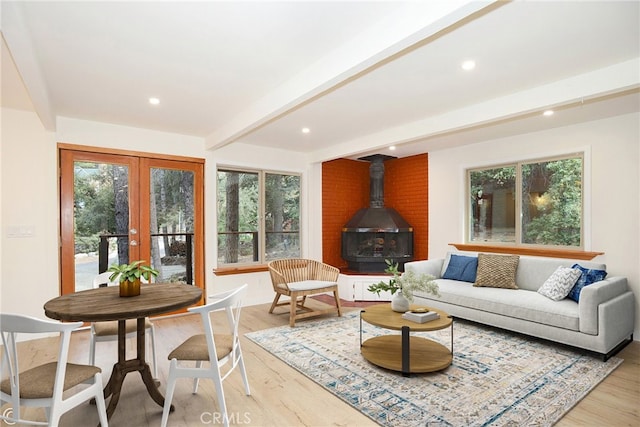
{"points": [[247, 208], [96, 204], [94, 209], [551, 201], [504, 177], [240, 229], [559, 219], [173, 191]]}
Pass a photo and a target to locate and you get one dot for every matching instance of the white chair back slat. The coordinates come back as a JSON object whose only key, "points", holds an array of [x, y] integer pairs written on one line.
{"points": [[11, 326], [231, 302]]}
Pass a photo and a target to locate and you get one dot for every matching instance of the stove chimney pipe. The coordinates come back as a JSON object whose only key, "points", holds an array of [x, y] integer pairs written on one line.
{"points": [[376, 179]]}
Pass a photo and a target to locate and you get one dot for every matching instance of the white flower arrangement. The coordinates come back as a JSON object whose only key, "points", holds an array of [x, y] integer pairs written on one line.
{"points": [[407, 283]]}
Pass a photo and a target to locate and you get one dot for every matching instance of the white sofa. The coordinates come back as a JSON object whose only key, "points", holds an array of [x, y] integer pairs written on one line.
{"points": [[602, 321]]}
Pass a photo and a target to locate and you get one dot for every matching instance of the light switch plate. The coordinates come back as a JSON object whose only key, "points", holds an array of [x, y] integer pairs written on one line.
{"points": [[20, 231]]}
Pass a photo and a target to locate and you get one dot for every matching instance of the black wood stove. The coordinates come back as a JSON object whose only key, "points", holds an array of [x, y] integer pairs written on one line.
{"points": [[376, 233]]}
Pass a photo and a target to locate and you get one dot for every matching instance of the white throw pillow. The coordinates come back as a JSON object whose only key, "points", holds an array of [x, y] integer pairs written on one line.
{"points": [[559, 284]]}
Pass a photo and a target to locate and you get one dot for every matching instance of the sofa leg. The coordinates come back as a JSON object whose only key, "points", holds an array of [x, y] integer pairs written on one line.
{"points": [[616, 349]]}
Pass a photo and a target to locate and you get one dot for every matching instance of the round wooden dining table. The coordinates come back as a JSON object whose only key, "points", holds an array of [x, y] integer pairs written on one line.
{"points": [[105, 304]]}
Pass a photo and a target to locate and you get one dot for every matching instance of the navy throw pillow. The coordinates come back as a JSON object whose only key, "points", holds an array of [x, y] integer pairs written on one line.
{"points": [[586, 278], [462, 268]]}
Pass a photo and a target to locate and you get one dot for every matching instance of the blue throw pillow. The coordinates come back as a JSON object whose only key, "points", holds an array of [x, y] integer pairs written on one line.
{"points": [[586, 278], [462, 268]]}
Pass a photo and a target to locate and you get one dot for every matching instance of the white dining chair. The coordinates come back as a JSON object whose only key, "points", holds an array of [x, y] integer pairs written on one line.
{"points": [[221, 350], [55, 386], [108, 331]]}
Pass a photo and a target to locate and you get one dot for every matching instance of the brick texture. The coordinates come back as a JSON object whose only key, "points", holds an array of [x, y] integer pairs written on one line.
{"points": [[406, 189], [345, 189]]}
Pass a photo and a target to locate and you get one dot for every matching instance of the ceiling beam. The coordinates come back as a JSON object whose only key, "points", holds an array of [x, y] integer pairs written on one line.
{"points": [[614, 79], [400, 32], [18, 41]]}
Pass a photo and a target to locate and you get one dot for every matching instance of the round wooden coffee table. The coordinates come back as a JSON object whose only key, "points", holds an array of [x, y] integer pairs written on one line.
{"points": [[405, 353]]}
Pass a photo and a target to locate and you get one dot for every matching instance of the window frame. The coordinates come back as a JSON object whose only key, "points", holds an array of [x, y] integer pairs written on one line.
{"points": [[260, 264], [585, 242], [142, 162]]}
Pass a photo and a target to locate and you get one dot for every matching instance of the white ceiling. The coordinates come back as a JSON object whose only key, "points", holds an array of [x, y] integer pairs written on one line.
{"points": [[362, 75]]}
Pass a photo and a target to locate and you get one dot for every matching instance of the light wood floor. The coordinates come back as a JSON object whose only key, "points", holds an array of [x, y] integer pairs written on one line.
{"points": [[280, 396]]}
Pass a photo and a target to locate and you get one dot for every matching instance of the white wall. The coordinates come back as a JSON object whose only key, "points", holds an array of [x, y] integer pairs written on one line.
{"points": [[614, 180], [97, 134], [29, 265]]}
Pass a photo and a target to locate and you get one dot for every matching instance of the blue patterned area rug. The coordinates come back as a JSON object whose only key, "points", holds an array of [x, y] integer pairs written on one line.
{"points": [[496, 378]]}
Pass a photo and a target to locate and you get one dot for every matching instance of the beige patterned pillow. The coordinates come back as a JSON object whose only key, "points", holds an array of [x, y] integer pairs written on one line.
{"points": [[497, 271]]}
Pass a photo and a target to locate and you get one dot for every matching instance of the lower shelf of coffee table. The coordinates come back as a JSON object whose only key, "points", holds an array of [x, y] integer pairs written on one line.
{"points": [[425, 355]]}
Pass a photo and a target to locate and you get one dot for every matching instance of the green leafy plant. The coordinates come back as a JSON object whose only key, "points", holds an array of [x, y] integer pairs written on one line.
{"points": [[131, 272], [407, 282]]}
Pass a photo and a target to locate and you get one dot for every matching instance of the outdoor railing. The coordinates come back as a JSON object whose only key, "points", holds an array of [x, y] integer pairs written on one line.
{"points": [[255, 240], [103, 251]]}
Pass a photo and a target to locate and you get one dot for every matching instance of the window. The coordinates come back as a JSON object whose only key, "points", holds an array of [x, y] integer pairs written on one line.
{"points": [[258, 216], [536, 202]]}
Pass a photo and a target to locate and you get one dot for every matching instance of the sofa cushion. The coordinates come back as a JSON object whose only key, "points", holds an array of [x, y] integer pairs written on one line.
{"points": [[558, 285], [462, 268], [533, 270], [587, 277], [497, 271], [516, 303]]}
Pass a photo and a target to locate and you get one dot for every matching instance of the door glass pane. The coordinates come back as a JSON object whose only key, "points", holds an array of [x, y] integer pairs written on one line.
{"points": [[101, 219], [492, 205], [172, 224], [282, 216], [237, 198]]}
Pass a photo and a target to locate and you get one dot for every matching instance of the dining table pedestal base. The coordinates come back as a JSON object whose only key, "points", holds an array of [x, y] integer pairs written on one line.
{"points": [[123, 367]]}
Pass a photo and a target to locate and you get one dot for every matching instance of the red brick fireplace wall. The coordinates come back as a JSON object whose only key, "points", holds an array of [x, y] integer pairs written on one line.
{"points": [[345, 189]]}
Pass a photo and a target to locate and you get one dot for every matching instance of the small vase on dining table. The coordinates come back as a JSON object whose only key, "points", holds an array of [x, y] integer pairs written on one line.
{"points": [[399, 303], [130, 289]]}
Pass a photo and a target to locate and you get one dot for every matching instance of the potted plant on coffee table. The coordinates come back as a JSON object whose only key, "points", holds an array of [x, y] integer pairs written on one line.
{"points": [[128, 275], [407, 283]]}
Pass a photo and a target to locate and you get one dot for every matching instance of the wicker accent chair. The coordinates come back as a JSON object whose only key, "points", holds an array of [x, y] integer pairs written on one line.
{"points": [[297, 278]]}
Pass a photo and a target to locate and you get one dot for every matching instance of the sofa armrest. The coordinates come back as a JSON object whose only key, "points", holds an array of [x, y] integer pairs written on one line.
{"points": [[430, 266], [595, 294]]}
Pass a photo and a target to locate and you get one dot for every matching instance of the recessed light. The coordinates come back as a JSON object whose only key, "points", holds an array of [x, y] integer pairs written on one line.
{"points": [[154, 101], [548, 113], [306, 130], [468, 65], [392, 148]]}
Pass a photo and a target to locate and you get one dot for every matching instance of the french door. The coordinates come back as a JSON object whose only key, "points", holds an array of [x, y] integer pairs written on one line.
{"points": [[118, 207]]}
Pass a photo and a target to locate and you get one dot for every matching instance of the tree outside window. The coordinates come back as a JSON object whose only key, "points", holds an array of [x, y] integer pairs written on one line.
{"points": [[545, 194], [282, 216], [492, 202], [258, 216]]}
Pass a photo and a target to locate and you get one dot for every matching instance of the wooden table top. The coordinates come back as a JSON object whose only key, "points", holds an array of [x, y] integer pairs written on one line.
{"points": [[382, 315], [103, 304]]}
